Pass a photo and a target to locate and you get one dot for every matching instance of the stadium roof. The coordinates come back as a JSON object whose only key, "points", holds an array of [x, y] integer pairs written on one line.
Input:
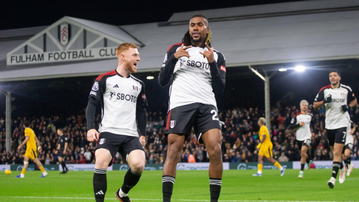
{"points": [[256, 35]]}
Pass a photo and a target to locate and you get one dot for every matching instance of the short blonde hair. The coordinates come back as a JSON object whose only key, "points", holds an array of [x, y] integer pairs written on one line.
{"points": [[303, 101], [124, 47], [262, 120]]}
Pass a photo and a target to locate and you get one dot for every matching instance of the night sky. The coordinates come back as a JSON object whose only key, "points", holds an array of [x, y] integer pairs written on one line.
{"points": [[20, 14], [69, 95]]}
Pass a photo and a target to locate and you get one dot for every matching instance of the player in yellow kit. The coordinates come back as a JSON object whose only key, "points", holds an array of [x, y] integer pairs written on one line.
{"points": [[265, 148], [31, 150]]}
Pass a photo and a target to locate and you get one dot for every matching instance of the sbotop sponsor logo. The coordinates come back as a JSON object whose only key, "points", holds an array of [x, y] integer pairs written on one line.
{"points": [[150, 168], [81, 168], [242, 166], [181, 166], [123, 167]]}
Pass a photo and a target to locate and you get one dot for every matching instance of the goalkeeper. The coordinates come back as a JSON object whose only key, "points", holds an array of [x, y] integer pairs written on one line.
{"points": [[265, 147]]}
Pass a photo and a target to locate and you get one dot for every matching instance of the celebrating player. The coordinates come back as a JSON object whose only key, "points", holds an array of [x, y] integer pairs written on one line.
{"points": [[61, 147], [301, 122], [335, 98], [123, 100], [196, 72], [265, 148], [31, 150], [348, 148]]}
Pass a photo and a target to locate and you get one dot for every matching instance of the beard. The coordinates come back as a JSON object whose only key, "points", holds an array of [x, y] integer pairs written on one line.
{"points": [[129, 67], [197, 41]]}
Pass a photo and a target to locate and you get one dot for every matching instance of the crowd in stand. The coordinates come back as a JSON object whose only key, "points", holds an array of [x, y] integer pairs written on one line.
{"points": [[238, 145]]}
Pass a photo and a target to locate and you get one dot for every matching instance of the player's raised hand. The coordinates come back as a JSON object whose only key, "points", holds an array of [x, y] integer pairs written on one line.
{"points": [[143, 140], [208, 53], [92, 135], [182, 52]]}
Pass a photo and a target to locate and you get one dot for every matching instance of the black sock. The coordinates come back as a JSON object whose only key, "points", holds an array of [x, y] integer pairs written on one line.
{"points": [[64, 168], [347, 161], [215, 188], [342, 164], [167, 187], [336, 166], [131, 179], [307, 160], [302, 166], [99, 184]]}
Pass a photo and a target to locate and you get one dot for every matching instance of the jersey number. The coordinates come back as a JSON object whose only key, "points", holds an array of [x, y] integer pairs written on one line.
{"points": [[344, 135], [215, 116]]}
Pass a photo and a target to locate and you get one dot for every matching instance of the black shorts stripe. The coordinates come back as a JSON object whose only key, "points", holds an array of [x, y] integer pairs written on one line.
{"points": [[35, 156]]}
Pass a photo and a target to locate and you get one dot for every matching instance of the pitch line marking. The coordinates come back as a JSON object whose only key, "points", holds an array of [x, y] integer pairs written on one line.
{"points": [[137, 199]]}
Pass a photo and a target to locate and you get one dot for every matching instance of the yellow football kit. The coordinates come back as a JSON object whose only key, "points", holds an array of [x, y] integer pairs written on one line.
{"points": [[31, 150], [267, 146]]}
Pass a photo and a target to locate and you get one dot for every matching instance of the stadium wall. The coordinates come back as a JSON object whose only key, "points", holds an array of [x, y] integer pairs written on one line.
{"points": [[180, 166]]}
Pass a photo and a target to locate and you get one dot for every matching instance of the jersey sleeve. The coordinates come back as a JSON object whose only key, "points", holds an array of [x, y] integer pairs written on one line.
{"points": [[27, 132], [168, 66], [294, 123], [218, 74], [320, 96], [141, 114], [95, 98], [351, 95], [65, 139]]}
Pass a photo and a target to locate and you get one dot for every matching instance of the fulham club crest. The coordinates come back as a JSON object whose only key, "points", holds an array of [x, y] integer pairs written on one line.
{"points": [[64, 33], [172, 123], [102, 140]]}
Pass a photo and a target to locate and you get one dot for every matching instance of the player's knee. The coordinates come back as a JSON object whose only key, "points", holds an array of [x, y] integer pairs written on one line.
{"points": [[215, 153], [101, 163], [337, 154], [303, 154], [138, 166], [173, 152]]}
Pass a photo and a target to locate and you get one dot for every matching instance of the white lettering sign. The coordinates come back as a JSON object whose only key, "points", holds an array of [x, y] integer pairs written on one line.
{"points": [[62, 56]]}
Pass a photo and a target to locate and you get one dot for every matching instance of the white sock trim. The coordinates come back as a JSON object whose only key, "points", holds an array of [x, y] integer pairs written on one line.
{"points": [[121, 193]]}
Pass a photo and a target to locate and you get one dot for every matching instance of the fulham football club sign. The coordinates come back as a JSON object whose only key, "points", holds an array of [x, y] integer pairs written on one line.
{"points": [[70, 39], [64, 34]]}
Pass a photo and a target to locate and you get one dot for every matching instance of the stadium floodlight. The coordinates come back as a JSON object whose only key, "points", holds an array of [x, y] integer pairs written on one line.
{"points": [[282, 69], [150, 77], [299, 68]]}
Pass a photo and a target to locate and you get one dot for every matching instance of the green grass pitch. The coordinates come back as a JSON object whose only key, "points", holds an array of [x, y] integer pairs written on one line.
{"points": [[237, 186]]}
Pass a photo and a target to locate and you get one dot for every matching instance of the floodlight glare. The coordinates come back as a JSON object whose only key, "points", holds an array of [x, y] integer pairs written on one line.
{"points": [[299, 68], [282, 69], [150, 77]]}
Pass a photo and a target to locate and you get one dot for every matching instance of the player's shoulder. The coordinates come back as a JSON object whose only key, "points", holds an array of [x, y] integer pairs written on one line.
{"points": [[310, 114], [345, 87], [137, 80], [263, 128], [325, 87], [219, 53], [28, 129], [105, 75], [174, 47], [297, 114]]}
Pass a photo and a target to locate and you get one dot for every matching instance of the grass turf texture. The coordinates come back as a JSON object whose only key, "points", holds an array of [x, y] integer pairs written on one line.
{"points": [[237, 185]]}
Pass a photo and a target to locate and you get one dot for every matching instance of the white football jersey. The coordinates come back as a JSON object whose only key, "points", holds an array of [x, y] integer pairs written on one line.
{"points": [[303, 132], [119, 97], [335, 117], [191, 79]]}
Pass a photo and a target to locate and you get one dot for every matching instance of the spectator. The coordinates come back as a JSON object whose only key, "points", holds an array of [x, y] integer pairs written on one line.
{"points": [[283, 158]]}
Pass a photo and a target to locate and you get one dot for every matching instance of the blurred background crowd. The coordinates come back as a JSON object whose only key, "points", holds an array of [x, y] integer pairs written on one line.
{"points": [[238, 145]]}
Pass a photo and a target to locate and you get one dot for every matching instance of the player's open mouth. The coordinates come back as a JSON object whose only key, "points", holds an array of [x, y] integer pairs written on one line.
{"points": [[135, 65], [196, 35]]}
